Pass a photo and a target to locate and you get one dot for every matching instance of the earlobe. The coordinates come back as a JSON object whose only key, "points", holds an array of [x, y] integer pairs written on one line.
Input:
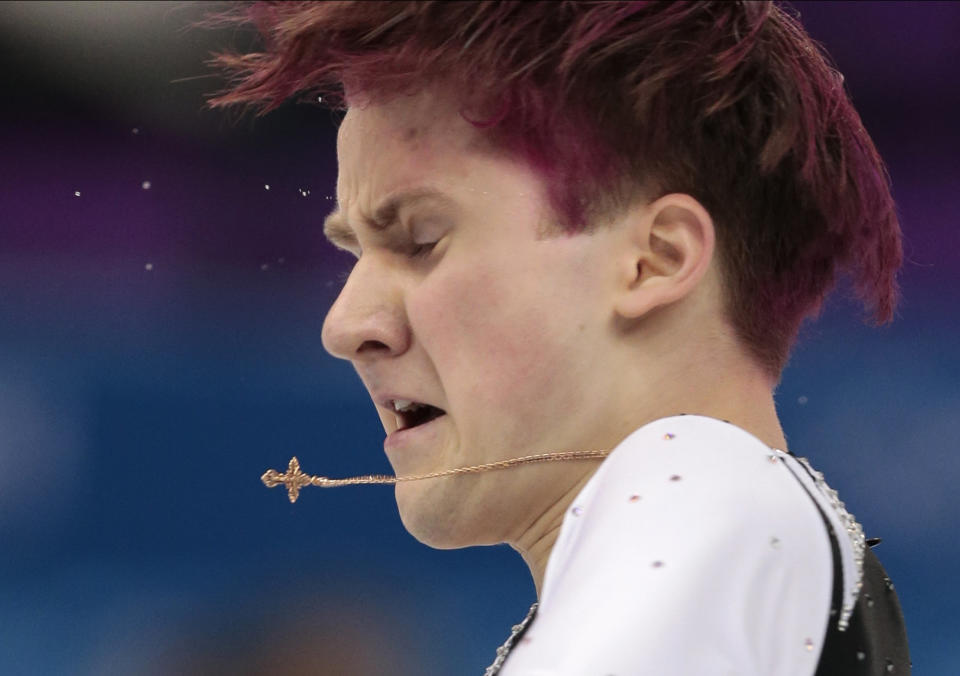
{"points": [[671, 244]]}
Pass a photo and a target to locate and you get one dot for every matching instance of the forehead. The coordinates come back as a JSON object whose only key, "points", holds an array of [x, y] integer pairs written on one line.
{"points": [[414, 145], [426, 121]]}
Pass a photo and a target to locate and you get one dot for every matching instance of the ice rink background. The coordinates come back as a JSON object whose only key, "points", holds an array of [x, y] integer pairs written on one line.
{"points": [[160, 315]]}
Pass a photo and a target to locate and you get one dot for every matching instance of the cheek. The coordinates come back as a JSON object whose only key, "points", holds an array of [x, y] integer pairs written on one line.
{"points": [[497, 339]]}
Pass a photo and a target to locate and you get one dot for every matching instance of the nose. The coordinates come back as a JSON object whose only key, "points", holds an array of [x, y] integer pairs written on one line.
{"points": [[367, 320]]}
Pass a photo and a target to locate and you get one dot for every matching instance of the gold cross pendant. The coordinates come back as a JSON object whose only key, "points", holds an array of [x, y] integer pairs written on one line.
{"points": [[294, 479]]}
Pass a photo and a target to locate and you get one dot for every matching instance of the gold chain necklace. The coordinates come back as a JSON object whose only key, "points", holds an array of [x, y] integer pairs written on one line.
{"points": [[294, 479]]}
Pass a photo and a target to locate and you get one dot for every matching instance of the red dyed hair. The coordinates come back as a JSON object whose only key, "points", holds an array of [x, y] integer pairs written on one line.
{"points": [[614, 102]]}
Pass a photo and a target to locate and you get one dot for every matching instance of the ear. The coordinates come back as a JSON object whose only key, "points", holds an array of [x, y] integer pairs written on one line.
{"points": [[670, 246]]}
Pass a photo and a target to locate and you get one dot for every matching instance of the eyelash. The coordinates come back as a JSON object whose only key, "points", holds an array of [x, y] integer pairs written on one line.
{"points": [[421, 250]]}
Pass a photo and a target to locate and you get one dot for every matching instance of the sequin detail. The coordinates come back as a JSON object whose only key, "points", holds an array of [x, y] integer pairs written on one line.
{"points": [[808, 644], [676, 477], [658, 564], [577, 511], [504, 650], [854, 532], [668, 436], [634, 498], [775, 542]]}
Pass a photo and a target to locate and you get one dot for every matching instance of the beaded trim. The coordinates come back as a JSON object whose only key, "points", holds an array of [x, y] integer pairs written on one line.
{"points": [[854, 532], [504, 650]]}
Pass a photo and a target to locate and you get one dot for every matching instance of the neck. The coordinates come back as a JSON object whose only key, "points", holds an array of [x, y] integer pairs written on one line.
{"points": [[711, 375], [538, 539], [749, 405]]}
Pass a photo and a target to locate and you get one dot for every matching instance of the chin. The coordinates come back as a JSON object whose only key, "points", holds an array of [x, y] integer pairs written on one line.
{"points": [[431, 519]]}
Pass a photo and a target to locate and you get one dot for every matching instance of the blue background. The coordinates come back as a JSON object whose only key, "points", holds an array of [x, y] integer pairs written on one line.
{"points": [[139, 407]]}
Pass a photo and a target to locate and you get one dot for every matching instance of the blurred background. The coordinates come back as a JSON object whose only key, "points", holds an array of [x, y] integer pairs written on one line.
{"points": [[163, 282]]}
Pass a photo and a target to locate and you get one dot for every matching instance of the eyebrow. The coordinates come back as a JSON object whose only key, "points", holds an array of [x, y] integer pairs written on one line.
{"points": [[338, 233]]}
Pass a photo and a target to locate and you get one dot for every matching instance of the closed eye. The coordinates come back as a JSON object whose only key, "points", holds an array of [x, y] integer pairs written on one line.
{"points": [[421, 250]]}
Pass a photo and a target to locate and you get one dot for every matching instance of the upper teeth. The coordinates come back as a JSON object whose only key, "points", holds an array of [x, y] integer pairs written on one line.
{"points": [[405, 404]]}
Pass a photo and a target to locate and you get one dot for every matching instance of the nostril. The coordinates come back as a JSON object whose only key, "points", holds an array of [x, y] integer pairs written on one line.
{"points": [[371, 346]]}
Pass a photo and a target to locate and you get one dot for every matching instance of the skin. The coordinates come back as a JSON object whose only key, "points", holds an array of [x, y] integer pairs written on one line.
{"points": [[530, 345]]}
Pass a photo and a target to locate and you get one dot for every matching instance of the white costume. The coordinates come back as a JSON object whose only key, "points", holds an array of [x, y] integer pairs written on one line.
{"points": [[694, 550]]}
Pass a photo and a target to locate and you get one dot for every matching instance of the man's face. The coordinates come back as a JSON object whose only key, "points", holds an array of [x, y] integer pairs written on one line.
{"points": [[504, 332]]}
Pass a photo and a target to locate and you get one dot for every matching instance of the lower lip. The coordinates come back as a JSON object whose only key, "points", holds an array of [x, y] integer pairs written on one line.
{"points": [[411, 435]]}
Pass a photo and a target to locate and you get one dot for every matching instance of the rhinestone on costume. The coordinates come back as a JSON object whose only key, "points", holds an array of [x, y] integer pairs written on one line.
{"points": [[861, 656], [773, 458], [676, 477], [775, 542], [869, 600], [889, 667], [668, 436], [658, 564], [634, 498], [577, 511], [808, 644]]}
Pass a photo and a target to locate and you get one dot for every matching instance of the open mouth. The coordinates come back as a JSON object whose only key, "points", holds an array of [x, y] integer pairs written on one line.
{"points": [[418, 414]]}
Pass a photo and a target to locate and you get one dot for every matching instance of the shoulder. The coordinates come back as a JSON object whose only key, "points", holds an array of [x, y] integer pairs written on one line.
{"points": [[691, 527], [709, 476]]}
